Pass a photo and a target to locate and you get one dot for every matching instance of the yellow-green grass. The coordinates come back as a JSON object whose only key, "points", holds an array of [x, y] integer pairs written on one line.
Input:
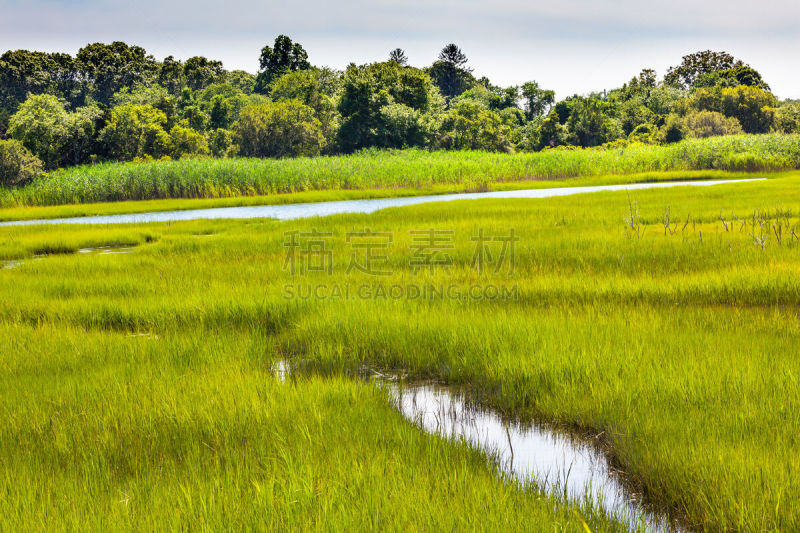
{"points": [[403, 169], [107, 432], [679, 350], [185, 204]]}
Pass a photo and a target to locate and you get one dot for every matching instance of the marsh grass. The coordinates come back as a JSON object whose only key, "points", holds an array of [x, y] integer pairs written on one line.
{"points": [[146, 378], [408, 169]]}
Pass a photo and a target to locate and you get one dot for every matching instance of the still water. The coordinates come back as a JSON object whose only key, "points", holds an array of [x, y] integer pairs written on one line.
{"points": [[321, 209]]}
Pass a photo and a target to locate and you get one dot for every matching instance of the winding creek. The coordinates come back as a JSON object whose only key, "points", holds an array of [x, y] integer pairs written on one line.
{"points": [[321, 209], [561, 464]]}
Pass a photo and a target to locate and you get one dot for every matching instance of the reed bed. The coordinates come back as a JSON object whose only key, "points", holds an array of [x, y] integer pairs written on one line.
{"points": [[226, 178]]}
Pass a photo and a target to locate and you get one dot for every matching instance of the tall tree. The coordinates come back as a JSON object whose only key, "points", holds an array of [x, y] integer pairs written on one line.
{"points": [[23, 73], [450, 72], [398, 56], [284, 56], [537, 101], [698, 64], [453, 55], [368, 89], [110, 67], [201, 72], [170, 75], [56, 136], [136, 131]]}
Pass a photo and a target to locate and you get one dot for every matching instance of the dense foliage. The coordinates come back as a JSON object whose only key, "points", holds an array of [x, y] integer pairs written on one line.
{"points": [[114, 102], [384, 169], [17, 164]]}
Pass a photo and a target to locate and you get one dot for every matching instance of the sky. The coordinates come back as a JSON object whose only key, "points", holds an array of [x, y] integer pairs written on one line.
{"points": [[571, 46]]}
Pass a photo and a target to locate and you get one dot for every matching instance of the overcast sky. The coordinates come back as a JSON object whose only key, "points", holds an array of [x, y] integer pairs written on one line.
{"points": [[572, 46]]}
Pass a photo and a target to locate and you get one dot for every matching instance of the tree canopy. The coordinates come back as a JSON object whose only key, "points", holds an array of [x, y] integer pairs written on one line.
{"points": [[284, 56], [117, 102]]}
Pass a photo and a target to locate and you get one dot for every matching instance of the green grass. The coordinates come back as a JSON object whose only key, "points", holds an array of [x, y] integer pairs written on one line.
{"points": [[414, 169], [148, 206], [170, 433], [146, 376]]}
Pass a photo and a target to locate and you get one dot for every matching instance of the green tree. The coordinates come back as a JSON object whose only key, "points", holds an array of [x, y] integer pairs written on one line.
{"points": [[552, 132], [645, 134], [219, 115], [470, 126], [367, 89], [316, 88], [42, 125], [398, 55], [110, 67], [673, 130], [590, 123], [279, 129], [56, 136], [402, 127], [284, 56], [17, 164], [200, 72], [732, 77], [187, 142], [450, 73], [493, 97], [787, 117], [633, 113], [661, 99], [170, 75], [244, 81], [746, 75], [152, 95], [81, 140], [537, 101], [702, 124], [221, 143], [708, 68], [754, 108], [222, 102], [136, 131], [23, 73]]}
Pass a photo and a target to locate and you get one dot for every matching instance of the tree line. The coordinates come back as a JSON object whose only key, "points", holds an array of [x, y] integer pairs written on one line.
{"points": [[115, 102]]}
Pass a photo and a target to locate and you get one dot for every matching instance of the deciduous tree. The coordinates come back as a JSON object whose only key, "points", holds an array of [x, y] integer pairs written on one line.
{"points": [[279, 129], [284, 56]]}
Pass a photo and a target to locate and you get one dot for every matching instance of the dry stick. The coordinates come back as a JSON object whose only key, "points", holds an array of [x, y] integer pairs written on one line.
{"points": [[510, 447]]}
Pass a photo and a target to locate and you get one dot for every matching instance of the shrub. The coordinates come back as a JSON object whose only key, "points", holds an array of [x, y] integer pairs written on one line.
{"points": [[754, 108], [136, 131], [279, 129], [703, 124], [220, 141], [673, 130], [41, 124], [17, 164], [187, 142]]}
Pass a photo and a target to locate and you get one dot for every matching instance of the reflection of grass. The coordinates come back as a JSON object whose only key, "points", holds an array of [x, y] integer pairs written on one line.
{"points": [[414, 169], [679, 348]]}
